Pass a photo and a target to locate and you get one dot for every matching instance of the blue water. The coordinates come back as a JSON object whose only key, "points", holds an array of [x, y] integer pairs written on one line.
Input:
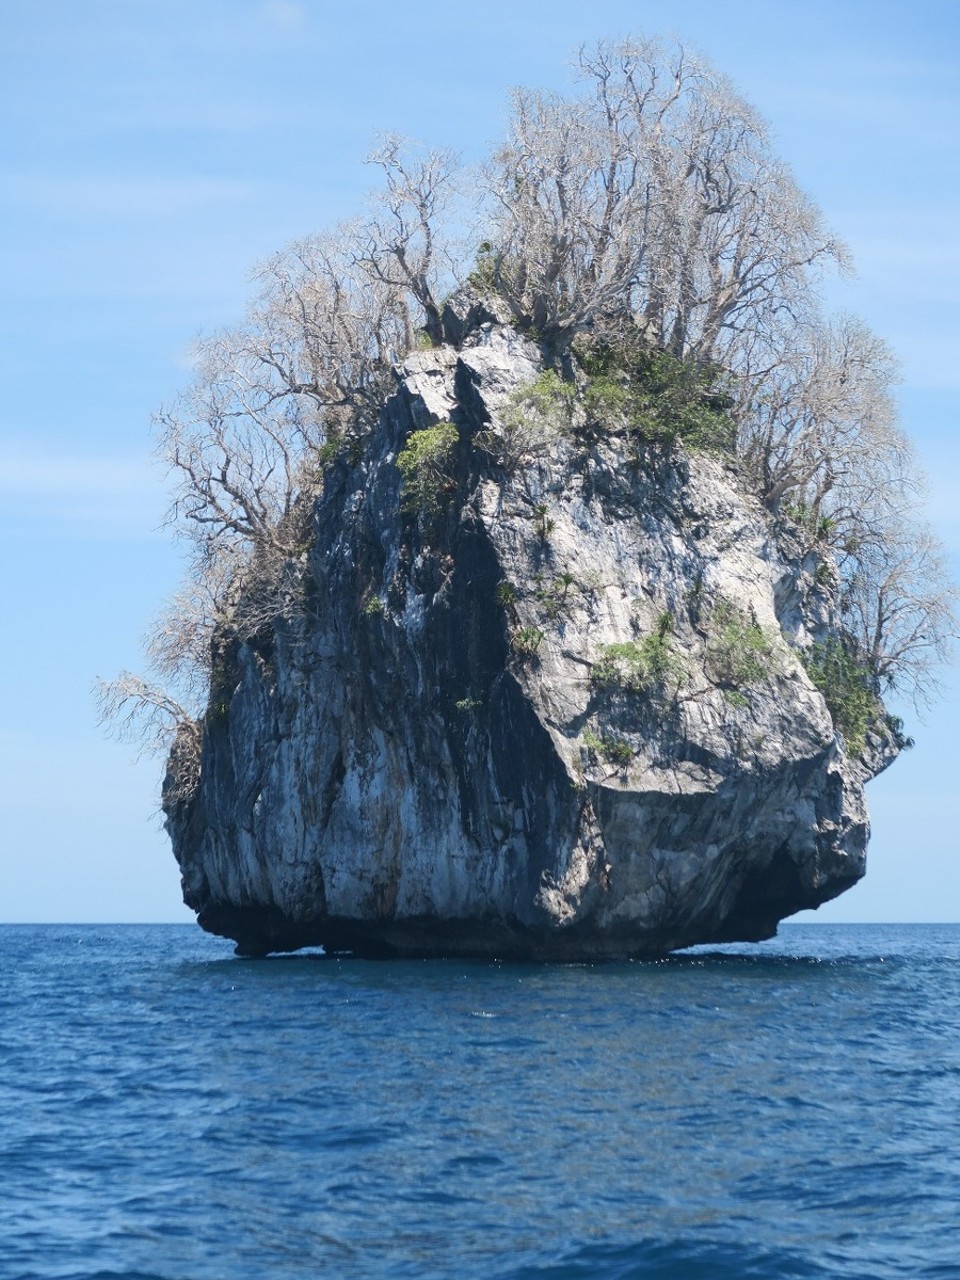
{"points": [[789, 1110]]}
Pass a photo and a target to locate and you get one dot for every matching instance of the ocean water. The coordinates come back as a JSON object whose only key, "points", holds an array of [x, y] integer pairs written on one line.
{"points": [[789, 1110]]}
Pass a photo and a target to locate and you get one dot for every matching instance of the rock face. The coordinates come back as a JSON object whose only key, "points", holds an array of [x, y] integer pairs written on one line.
{"points": [[439, 754]]}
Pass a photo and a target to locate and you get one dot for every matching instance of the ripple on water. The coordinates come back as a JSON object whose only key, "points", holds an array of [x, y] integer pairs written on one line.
{"points": [[172, 1113]]}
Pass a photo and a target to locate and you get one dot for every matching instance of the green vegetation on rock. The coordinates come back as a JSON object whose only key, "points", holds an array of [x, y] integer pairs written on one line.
{"points": [[424, 462], [637, 666], [656, 396], [739, 652], [616, 751], [847, 690], [526, 641], [661, 268]]}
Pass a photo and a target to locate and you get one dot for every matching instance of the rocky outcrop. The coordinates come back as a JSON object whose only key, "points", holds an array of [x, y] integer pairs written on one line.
{"points": [[563, 717]]}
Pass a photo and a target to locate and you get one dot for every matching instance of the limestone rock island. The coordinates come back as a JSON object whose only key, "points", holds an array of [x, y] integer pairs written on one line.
{"points": [[545, 695], [544, 593]]}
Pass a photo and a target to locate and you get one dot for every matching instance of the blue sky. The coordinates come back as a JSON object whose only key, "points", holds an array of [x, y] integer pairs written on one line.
{"points": [[154, 150]]}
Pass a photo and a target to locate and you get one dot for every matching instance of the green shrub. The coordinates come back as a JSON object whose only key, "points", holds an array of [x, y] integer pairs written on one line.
{"points": [[610, 402], [735, 698], [639, 665], [636, 389], [527, 641], [507, 594], [553, 595], [548, 398], [468, 704], [739, 651], [680, 401], [328, 451], [424, 463], [483, 277], [848, 691], [535, 416], [614, 750], [652, 393], [895, 725], [542, 523]]}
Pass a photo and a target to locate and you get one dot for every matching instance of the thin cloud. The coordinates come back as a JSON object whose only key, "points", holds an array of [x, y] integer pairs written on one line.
{"points": [[121, 197], [24, 472], [286, 14], [93, 494]]}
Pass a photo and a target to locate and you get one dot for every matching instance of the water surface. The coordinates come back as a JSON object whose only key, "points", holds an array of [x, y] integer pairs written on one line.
{"points": [[169, 1111]]}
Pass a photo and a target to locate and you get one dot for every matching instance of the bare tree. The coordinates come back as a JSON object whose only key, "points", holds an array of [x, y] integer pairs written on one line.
{"points": [[818, 425], [179, 647], [818, 436], [326, 328], [310, 365], [900, 607], [236, 451], [647, 213], [402, 247], [653, 195], [141, 712], [146, 715]]}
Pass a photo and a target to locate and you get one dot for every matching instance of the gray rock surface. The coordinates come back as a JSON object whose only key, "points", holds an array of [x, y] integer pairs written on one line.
{"points": [[401, 768]]}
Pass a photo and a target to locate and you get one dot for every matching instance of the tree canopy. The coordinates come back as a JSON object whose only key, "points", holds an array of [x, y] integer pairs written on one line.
{"points": [[644, 214]]}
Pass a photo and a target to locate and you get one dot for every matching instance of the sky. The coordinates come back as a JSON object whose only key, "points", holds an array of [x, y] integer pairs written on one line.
{"points": [[154, 150]]}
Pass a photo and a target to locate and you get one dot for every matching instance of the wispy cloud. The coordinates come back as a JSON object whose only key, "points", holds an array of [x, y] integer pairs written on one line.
{"points": [[286, 14], [87, 493], [882, 94], [117, 196]]}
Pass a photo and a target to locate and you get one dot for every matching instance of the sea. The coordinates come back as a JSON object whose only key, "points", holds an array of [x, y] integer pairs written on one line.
{"points": [[785, 1110]]}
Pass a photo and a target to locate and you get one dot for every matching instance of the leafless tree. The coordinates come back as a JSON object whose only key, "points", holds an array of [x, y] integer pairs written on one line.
{"points": [[654, 195], [819, 424], [647, 213], [327, 328], [900, 607], [310, 365], [818, 436], [403, 247], [141, 712], [152, 712], [144, 714]]}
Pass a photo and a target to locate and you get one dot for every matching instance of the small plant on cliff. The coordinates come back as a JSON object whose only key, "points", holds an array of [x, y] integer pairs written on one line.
{"points": [[537, 413], [553, 596], [424, 462], [507, 594], [616, 751], [543, 523], [636, 666], [739, 651], [483, 276], [847, 689], [526, 641]]}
